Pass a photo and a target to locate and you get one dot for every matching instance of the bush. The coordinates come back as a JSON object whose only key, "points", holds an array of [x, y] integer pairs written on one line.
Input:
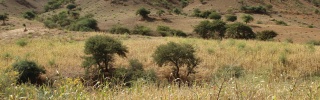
{"points": [[247, 18], [21, 42], [4, 17], [142, 30], [177, 11], [71, 6], [119, 30], [29, 15], [101, 51], [215, 15], [143, 12], [196, 12], [281, 23], [55, 4], [254, 9], [205, 14], [239, 31], [166, 31], [266, 35], [177, 55], [231, 18], [29, 71], [85, 24]]}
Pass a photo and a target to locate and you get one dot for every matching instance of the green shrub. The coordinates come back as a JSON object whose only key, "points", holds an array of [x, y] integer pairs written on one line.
{"points": [[205, 14], [184, 3], [281, 22], [196, 12], [266, 35], [143, 12], [166, 31], [4, 17], [231, 18], [55, 4], [254, 9], [22, 42], [215, 15], [29, 71], [177, 11], [85, 24], [247, 18], [119, 30], [29, 15], [71, 6], [142, 30], [239, 31]]}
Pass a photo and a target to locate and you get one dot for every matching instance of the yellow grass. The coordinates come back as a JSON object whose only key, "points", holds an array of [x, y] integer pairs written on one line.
{"points": [[261, 60]]}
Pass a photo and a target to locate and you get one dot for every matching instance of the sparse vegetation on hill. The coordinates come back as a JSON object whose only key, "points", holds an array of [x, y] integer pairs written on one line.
{"points": [[29, 15], [4, 17], [55, 4]]}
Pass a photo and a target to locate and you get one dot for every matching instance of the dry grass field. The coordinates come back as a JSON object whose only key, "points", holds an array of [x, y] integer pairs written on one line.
{"points": [[266, 75]]}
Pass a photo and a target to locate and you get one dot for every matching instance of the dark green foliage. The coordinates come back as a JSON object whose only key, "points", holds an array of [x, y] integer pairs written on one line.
{"points": [[229, 71], [55, 4], [176, 55], [231, 18], [247, 18], [166, 31], [143, 12], [29, 71], [205, 14], [215, 15], [239, 31], [119, 30], [71, 22], [4, 17], [101, 51], [142, 30], [254, 9], [177, 11], [85, 24], [160, 12], [266, 35], [280, 22], [29, 15], [207, 29], [71, 6]]}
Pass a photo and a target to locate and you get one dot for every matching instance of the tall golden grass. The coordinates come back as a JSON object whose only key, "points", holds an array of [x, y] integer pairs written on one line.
{"points": [[274, 70]]}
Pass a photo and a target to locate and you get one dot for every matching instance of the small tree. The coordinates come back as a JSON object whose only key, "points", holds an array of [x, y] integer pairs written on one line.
{"points": [[239, 31], [29, 71], [247, 18], [102, 50], [204, 29], [143, 13], [177, 55], [4, 17], [266, 35], [231, 18], [207, 29]]}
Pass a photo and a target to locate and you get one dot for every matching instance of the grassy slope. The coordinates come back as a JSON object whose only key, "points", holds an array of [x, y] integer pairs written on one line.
{"points": [[262, 61]]}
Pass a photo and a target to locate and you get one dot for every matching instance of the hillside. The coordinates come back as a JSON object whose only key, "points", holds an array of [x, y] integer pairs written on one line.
{"points": [[298, 14]]}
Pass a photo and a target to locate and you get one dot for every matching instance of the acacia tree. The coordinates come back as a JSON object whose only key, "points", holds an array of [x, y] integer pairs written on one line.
{"points": [[102, 50], [177, 55], [207, 29], [239, 31], [247, 18], [4, 17], [143, 13]]}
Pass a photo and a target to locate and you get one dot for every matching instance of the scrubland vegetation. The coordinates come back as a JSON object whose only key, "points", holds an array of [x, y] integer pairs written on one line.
{"points": [[229, 69], [221, 59]]}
